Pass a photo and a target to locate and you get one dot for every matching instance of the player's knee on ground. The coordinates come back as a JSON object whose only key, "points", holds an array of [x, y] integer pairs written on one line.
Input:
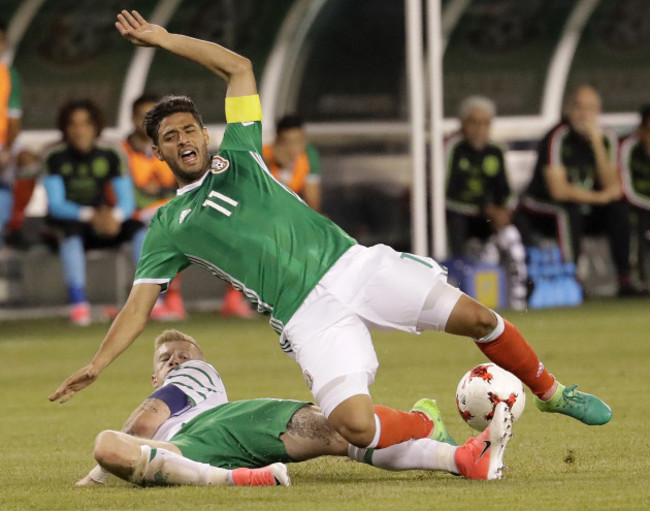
{"points": [[471, 318]]}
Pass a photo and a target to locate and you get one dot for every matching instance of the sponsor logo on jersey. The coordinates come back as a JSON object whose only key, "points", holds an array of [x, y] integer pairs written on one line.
{"points": [[184, 213], [219, 164]]}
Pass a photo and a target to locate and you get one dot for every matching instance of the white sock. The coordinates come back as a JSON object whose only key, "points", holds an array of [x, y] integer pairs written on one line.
{"points": [[99, 475], [375, 439], [160, 467], [496, 333], [422, 454]]}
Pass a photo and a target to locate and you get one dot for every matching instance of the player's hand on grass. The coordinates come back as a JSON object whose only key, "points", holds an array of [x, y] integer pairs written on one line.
{"points": [[78, 381], [133, 27]]}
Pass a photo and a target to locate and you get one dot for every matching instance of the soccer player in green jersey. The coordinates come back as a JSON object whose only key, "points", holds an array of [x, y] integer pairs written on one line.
{"points": [[323, 291], [188, 433]]}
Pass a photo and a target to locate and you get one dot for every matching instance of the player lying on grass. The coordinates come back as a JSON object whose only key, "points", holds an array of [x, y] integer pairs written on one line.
{"points": [[323, 291], [187, 433]]}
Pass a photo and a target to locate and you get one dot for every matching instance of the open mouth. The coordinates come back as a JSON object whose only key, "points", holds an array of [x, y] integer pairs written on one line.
{"points": [[189, 157]]}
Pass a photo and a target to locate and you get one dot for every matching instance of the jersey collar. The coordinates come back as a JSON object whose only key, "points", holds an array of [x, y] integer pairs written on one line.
{"points": [[192, 186]]}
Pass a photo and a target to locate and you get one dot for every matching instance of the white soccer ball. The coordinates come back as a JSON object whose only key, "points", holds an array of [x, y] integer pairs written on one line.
{"points": [[482, 388]]}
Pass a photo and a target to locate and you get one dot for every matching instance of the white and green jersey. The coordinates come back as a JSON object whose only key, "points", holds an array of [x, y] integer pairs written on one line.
{"points": [[243, 226], [202, 385]]}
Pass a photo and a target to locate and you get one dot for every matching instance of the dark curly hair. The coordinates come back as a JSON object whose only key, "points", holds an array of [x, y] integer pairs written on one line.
{"points": [[289, 122], [147, 97], [94, 112], [167, 106]]}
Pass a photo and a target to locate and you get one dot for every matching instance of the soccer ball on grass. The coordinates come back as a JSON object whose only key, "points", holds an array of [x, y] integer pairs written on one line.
{"points": [[482, 388]]}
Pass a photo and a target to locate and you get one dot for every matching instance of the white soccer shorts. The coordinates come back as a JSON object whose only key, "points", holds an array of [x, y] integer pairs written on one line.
{"points": [[367, 288]]}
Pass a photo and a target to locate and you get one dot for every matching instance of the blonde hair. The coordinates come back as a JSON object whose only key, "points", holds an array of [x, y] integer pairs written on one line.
{"points": [[173, 335]]}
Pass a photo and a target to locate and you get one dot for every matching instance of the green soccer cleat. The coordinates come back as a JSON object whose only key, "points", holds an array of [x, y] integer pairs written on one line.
{"points": [[429, 407], [579, 405]]}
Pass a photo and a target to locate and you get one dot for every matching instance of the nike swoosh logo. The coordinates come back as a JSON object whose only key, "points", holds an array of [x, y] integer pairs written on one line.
{"points": [[487, 446]]}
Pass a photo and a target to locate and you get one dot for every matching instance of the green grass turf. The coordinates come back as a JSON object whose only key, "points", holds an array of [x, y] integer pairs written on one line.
{"points": [[554, 462]]}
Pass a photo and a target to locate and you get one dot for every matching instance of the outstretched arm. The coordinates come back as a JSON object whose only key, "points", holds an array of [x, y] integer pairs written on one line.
{"points": [[235, 70], [127, 326]]}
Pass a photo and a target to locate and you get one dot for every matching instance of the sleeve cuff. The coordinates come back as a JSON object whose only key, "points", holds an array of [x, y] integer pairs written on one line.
{"points": [[243, 109]]}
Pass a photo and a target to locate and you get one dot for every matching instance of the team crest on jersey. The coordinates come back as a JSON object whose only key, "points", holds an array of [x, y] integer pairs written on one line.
{"points": [[219, 164]]}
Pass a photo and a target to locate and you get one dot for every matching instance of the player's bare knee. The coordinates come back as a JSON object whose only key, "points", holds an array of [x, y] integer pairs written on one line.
{"points": [[354, 417], [471, 318], [105, 444], [358, 429], [485, 321]]}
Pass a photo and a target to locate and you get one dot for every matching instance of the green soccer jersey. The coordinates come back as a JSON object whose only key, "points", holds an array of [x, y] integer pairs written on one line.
{"points": [[239, 434], [243, 226]]}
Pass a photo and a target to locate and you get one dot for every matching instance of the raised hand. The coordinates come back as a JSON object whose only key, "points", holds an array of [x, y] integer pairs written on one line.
{"points": [[594, 132], [134, 28]]}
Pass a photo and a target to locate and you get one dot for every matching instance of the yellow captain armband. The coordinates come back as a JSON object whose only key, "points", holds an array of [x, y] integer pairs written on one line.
{"points": [[243, 109]]}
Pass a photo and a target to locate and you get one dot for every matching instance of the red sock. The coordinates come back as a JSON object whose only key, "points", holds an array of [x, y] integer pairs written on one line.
{"points": [[397, 426], [511, 352], [253, 477]]}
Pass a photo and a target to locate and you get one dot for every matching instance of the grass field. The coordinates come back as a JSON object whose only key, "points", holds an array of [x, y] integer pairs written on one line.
{"points": [[554, 462]]}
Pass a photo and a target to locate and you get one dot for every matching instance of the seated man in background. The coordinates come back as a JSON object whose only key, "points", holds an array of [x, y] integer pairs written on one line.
{"points": [[154, 185], [78, 173], [293, 161], [22, 172], [479, 201], [575, 189], [635, 170], [187, 433]]}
